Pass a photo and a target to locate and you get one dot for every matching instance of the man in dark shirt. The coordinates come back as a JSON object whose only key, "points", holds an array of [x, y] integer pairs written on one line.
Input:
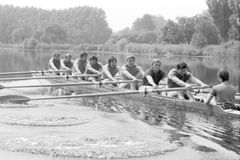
{"points": [[154, 75], [178, 77]]}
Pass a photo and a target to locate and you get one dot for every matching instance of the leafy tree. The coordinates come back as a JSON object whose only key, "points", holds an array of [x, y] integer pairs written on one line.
{"points": [[171, 33], [20, 34], [220, 12], [187, 25], [54, 34], [206, 26], [234, 19], [144, 24]]}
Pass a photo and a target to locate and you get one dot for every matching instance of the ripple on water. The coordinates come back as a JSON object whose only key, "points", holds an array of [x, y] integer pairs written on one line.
{"points": [[104, 148], [43, 121]]}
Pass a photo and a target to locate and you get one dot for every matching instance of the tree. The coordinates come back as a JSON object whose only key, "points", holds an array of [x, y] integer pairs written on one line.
{"points": [[171, 33], [54, 34], [205, 26], [220, 12], [187, 25], [234, 19], [144, 24], [20, 34]]}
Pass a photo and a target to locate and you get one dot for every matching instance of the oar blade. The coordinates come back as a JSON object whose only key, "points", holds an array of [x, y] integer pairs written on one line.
{"points": [[14, 99]]}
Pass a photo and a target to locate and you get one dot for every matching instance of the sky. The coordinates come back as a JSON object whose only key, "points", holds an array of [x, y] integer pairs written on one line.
{"points": [[122, 13]]}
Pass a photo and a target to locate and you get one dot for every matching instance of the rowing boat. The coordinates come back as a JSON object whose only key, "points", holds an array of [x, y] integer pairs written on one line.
{"points": [[134, 102]]}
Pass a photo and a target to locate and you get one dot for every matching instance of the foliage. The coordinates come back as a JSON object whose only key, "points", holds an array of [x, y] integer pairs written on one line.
{"points": [[73, 25], [19, 35], [199, 40], [205, 26], [172, 34], [144, 24], [187, 25]]}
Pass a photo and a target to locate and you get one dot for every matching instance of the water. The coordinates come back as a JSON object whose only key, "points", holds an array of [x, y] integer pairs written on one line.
{"points": [[165, 132]]}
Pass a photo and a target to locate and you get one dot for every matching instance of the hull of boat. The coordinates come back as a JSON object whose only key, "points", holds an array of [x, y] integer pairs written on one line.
{"points": [[151, 101]]}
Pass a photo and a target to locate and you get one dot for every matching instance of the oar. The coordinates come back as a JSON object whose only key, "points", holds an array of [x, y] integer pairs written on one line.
{"points": [[48, 77], [30, 72], [125, 92], [66, 84]]}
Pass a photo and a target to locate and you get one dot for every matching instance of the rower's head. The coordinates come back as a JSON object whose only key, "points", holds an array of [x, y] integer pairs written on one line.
{"points": [[130, 60], [156, 64], [223, 75], [83, 56], [68, 57], [182, 68], [56, 55], [93, 60], [112, 62]]}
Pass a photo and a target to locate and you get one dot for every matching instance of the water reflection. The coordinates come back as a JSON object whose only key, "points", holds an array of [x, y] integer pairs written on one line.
{"points": [[222, 130]]}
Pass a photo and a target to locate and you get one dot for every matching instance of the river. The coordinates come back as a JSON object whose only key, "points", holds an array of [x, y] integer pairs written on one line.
{"points": [[83, 132]]}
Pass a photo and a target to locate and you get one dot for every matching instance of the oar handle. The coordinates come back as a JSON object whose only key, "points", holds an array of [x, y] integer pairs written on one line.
{"points": [[66, 84], [48, 77], [31, 72]]}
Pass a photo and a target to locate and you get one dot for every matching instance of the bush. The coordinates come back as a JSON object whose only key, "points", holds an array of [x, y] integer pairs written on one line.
{"points": [[199, 40]]}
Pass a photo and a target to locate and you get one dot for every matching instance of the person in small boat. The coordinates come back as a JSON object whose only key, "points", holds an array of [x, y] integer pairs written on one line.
{"points": [[154, 75], [67, 64], [80, 64], [111, 70], [131, 71], [55, 62], [224, 92], [94, 67], [178, 77]]}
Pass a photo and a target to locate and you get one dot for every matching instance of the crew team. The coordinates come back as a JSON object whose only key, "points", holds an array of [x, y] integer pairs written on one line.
{"points": [[154, 77]]}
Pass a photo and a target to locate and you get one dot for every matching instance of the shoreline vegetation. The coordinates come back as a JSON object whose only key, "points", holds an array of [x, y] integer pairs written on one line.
{"points": [[228, 49], [214, 32]]}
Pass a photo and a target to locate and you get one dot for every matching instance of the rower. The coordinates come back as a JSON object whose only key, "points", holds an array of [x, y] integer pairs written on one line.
{"points": [[80, 64], [153, 75], [110, 70], [94, 67], [54, 62], [67, 64], [131, 71], [224, 92], [178, 77]]}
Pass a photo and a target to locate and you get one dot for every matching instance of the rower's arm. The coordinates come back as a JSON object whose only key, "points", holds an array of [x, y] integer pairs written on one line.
{"points": [[63, 65], [90, 68], [178, 81], [209, 98], [108, 74], [150, 81], [51, 64], [126, 73], [75, 66], [196, 81]]}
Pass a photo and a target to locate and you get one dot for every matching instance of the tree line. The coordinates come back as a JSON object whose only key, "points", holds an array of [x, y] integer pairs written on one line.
{"points": [[88, 25]]}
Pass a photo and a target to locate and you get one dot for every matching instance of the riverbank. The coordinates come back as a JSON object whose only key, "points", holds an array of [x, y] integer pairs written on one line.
{"points": [[228, 49]]}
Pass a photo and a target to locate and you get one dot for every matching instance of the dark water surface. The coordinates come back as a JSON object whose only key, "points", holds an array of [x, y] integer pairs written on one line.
{"points": [[198, 135]]}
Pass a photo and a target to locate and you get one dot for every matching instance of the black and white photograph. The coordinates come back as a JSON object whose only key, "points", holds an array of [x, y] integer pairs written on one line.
{"points": [[120, 79]]}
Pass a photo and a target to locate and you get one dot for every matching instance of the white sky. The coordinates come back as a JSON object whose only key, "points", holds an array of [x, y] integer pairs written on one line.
{"points": [[122, 13]]}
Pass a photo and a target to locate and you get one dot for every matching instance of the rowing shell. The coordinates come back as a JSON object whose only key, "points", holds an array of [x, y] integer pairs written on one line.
{"points": [[149, 100]]}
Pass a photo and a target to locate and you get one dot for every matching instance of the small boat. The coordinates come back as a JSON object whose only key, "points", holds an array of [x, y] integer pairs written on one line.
{"points": [[150, 100]]}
